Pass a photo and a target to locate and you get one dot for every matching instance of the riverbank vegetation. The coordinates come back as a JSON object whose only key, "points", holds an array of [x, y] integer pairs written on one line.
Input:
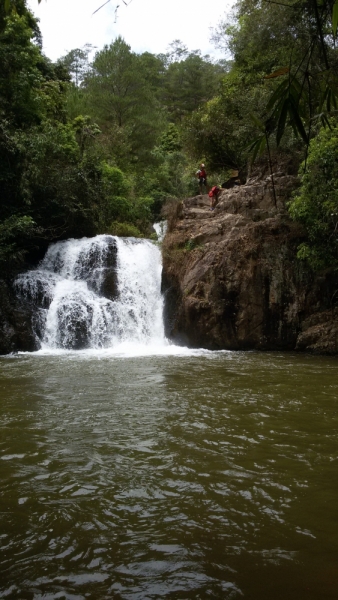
{"points": [[94, 145]]}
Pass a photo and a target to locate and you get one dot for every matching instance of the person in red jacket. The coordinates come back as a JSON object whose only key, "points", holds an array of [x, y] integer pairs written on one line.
{"points": [[213, 195], [202, 178]]}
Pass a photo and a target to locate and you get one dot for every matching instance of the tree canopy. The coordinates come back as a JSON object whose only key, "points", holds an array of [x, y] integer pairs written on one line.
{"points": [[98, 145], [89, 146]]}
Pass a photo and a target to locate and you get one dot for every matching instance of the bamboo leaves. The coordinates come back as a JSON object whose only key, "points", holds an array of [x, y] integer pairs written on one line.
{"points": [[308, 91], [257, 147], [329, 101], [288, 101], [285, 107]]}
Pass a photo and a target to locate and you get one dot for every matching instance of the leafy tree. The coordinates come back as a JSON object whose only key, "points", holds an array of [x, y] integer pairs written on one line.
{"points": [[49, 182], [316, 203], [135, 99], [291, 45], [120, 94], [170, 140], [117, 85], [85, 131], [77, 64], [21, 78], [222, 130], [153, 69], [177, 52], [189, 83]]}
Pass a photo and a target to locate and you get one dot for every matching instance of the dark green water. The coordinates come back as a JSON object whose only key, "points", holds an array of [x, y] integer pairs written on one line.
{"points": [[211, 476]]}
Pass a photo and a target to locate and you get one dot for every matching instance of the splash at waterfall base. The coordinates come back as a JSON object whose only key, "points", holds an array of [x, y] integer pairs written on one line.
{"points": [[231, 279]]}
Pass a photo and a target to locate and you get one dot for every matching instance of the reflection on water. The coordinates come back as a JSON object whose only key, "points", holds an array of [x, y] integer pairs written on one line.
{"points": [[210, 476]]}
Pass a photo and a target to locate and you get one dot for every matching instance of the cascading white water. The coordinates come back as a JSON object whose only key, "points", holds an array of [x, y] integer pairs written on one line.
{"points": [[140, 304], [96, 293], [161, 230]]}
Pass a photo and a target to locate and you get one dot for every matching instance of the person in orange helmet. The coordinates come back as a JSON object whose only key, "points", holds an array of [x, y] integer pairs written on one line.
{"points": [[202, 178]]}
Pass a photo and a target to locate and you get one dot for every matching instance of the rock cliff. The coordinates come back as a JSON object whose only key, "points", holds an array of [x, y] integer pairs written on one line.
{"points": [[16, 332], [231, 278]]}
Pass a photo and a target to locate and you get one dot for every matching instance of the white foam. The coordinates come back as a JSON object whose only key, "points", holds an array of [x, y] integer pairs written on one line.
{"points": [[72, 310], [127, 350], [161, 230]]}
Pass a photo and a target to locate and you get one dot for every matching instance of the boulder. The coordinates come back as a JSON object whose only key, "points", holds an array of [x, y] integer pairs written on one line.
{"points": [[16, 331], [319, 334]]}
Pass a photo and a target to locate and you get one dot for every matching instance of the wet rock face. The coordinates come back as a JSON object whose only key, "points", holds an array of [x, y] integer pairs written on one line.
{"points": [[97, 267], [16, 332], [319, 333], [74, 326], [230, 276]]}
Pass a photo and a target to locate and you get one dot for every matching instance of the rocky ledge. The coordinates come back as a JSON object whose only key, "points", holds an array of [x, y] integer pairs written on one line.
{"points": [[16, 332], [231, 278]]}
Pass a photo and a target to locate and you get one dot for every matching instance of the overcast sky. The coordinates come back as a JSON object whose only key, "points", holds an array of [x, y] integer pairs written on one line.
{"points": [[144, 24]]}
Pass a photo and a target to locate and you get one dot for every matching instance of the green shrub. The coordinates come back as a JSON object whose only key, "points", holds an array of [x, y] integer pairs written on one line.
{"points": [[316, 203], [124, 230], [114, 180], [14, 233]]}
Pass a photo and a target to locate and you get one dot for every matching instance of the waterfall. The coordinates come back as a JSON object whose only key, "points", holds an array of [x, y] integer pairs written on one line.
{"points": [[161, 230], [96, 293]]}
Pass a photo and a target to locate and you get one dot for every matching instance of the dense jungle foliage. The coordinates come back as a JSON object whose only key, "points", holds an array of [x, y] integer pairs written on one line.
{"points": [[97, 146]]}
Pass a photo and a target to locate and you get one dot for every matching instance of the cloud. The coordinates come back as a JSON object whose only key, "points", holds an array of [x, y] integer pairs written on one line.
{"points": [[146, 25]]}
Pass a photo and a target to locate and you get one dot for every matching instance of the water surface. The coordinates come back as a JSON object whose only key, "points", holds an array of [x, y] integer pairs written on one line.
{"points": [[196, 475]]}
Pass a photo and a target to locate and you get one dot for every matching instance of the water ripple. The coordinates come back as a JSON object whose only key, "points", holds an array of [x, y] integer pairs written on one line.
{"points": [[177, 477]]}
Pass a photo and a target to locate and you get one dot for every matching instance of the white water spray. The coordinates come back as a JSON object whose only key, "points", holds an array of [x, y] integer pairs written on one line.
{"points": [[161, 230], [96, 293]]}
